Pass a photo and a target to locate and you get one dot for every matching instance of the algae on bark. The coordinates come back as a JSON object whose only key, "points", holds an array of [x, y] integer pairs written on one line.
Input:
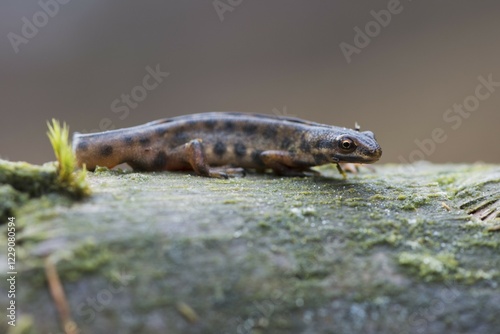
{"points": [[377, 252]]}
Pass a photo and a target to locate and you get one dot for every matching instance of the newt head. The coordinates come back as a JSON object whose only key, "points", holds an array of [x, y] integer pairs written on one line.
{"points": [[357, 147], [350, 146]]}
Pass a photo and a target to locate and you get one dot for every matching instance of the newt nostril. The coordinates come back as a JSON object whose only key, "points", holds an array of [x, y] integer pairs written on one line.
{"points": [[377, 151]]}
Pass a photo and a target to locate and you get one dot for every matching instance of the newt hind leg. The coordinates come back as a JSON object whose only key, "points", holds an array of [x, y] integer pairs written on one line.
{"points": [[193, 153]]}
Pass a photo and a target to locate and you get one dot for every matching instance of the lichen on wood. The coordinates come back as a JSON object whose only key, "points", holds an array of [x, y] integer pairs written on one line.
{"points": [[376, 252]]}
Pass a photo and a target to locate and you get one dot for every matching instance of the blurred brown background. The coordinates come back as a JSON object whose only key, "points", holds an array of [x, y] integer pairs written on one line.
{"points": [[274, 57]]}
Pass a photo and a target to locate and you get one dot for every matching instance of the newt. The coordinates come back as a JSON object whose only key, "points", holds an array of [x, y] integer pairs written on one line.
{"points": [[218, 144]]}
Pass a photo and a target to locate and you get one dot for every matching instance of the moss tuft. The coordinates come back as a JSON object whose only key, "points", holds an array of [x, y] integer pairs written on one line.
{"points": [[73, 181]]}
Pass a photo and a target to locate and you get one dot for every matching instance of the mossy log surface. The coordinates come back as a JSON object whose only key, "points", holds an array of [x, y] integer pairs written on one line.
{"points": [[395, 251]]}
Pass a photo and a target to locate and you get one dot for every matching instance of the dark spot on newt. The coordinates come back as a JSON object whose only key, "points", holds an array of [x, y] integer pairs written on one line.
{"points": [[179, 129], [305, 146], [106, 150], [160, 160], [144, 141], [323, 144], [128, 140], [240, 149], [285, 144], [256, 158], [270, 131], [160, 131], [82, 146], [192, 124], [249, 129], [220, 148], [180, 137], [210, 123], [228, 125], [320, 158]]}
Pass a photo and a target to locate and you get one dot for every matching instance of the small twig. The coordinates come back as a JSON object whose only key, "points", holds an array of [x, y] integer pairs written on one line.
{"points": [[494, 228], [187, 312], [57, 293], [446, 206]]}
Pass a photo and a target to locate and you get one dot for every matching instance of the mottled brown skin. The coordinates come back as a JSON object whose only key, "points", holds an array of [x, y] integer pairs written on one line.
{"points": [[213, 144]]}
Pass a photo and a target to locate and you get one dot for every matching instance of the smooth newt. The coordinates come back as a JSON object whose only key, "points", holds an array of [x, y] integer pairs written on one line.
{"points": [[213, 144]]}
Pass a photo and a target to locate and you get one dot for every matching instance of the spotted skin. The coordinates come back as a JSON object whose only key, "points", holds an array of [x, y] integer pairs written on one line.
{"points": [[213, 143]]}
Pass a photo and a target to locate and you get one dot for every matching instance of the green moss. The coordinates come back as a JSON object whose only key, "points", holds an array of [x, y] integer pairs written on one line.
{"points": [[377, 197], [289, 248], [87, 257], [24, 325], [447, 179], [27, 178], [485, 241], [419, 201], [264, 225], [231, 201], [11, 199], [408, 206], [428, 266], [104, 170], [354, 202], [472, 276], [59, 138], [114, 171], [70, 180]]}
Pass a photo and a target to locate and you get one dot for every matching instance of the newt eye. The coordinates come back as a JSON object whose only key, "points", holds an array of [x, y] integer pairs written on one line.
{"points": [[347, 145]]}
